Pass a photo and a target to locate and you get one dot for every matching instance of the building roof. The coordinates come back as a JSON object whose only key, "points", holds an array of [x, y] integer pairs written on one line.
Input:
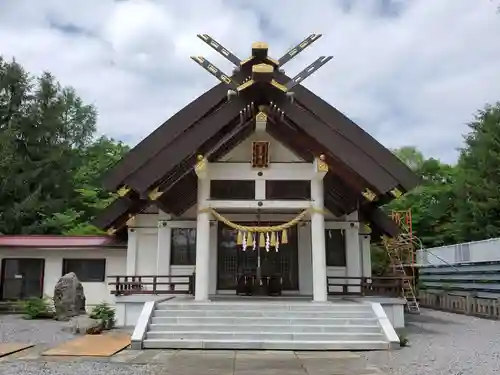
{"points": [[50, 241], [215, 123]]}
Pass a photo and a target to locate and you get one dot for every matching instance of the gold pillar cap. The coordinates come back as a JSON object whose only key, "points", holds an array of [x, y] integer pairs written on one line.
{"points": [[260, 45]]}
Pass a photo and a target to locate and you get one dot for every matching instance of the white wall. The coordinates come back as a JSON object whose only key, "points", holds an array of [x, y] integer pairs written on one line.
{"points": [[278, 153], [147, 224], [95, 292], [147, 248]]}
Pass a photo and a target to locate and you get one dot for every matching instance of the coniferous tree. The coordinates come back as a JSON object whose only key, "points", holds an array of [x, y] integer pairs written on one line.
{"points": [[50, 161], [478, 182]]}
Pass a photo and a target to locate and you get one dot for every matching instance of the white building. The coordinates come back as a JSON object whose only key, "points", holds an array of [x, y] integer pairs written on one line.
{"points": [[32, 265], [261, 191]]}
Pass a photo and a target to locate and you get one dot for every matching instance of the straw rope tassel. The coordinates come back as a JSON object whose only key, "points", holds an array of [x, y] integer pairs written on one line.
{"points": [[250, 240], [239, 239], [262, 240], [273, 239], [284, 236]]}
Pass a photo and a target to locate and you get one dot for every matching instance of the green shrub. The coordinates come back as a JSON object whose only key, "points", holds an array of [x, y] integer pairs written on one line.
{"points": [[105, 313], [403, 338], [37, 308]]}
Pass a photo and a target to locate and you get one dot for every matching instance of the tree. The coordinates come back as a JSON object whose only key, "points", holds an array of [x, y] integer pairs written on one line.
{"points": [[49, 160], [412, 157], [432, 202], [90, 198], [478, 180]]}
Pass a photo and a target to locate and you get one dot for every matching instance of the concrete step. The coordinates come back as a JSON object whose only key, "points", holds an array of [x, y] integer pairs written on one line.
{"points": [[265, 336], [265, 345], [286, 328], [332, 320], [262, 314], [314, 307]]}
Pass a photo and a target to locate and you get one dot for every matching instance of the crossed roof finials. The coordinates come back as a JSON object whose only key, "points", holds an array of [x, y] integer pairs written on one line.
{"points": [[259, 66]]}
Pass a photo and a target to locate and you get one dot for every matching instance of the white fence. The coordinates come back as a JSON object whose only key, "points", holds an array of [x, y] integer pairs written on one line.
{"points": [[468, 252]]}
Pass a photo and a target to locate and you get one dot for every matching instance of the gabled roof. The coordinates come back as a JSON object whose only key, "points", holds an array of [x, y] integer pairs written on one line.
{"points": [[163, 136], [161, 168]]}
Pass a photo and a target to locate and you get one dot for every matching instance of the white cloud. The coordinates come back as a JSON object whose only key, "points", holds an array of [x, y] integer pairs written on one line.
{"points": [[407, 72]]}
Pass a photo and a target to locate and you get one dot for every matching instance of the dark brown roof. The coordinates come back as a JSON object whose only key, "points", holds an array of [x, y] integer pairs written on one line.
{"points": [[213, 124], [163, 136]]}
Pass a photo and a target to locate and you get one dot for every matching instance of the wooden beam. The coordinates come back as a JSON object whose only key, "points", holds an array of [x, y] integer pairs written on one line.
{"points": [[345, 151], [281, 205], [155, 169], [214, 146], [298, 139], [164, 136], [377, 217], [117, 213], [340, 123], [286, 137]]}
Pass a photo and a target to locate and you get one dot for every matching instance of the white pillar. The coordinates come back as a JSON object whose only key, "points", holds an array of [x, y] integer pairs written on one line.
{"points": [[212, 285], [163, 249], [202, 233], [132, 252], [353, 256], [364, 242], [320, 293]]}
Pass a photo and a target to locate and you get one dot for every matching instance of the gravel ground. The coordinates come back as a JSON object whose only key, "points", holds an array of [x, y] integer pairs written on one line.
{"points": [[444, 344], [15, 329], [78, 368], [440, 344]]}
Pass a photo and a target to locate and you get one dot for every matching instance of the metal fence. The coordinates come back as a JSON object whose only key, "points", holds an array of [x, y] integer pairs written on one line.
{"points": [[467, 252], [466, 288], [481, 279]]}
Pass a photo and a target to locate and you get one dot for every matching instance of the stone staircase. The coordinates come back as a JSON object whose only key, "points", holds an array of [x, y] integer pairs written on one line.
{"points": [[271, 325]]}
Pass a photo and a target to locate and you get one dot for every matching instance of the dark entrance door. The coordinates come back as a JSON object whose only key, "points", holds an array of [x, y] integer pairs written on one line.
{"points": [[233, 261], [21, 278]]}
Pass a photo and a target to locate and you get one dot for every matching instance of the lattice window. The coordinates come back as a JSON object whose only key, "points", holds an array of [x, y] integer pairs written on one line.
{"points": [[260, 154]]}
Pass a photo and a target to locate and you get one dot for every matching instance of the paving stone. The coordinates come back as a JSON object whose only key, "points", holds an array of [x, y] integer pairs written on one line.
{"points": [[315, 355], [265, 354], [221, 362], [163, 356], [126, 356], [271, 372], [30, 353]]}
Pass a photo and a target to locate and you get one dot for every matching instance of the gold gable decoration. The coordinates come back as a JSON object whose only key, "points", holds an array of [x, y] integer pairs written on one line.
{"points": [[261, 117], [123, 191], [370, 195], [321, 164]]}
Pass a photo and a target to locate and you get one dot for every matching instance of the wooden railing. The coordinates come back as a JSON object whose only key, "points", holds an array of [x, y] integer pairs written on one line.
{"points": [[157, 284], [388, 286]]}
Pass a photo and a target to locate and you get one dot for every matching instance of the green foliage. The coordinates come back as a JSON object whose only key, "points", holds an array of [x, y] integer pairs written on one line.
{"points": [[380, 260], [37, 308], [432, 203], [51, 163], [403, 338], [478, 181], [50, 159], [105, 313]]}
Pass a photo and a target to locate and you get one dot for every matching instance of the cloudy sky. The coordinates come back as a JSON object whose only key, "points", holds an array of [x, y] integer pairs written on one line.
{"points": [[410, 72]]}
